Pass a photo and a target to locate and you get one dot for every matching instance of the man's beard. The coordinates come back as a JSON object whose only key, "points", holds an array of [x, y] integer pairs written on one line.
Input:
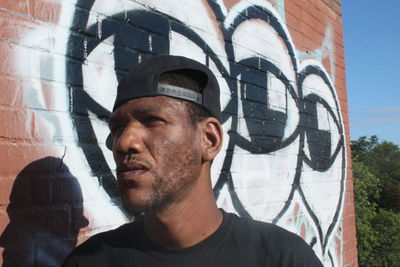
{"points": [[165, 191], [159, 200]]}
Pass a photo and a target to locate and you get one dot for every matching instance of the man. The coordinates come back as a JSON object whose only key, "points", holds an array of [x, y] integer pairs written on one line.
{"points": [[165, 133]]}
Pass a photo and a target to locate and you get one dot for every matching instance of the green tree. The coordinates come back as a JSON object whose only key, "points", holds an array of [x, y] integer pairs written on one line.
{"points": [[387, 225], [376, 172], [385, 161], [366, 191], [382, 160]]}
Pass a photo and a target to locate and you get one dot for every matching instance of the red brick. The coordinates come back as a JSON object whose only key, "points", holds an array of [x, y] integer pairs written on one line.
{"points": [[349, 245], [340, 51], [7, 63], [15, 124], [350, 232], [339, 29], [19, 154], [348, 219], [307, 18], [348, 208], [4, 219], [340, 73], [340, 83], [292, 8], [343, 106], [306, 30], [337, 8], [230, 3], [317, 13], [320, 27], [14, 27], [310, 44], [11, 89], [298, 39], [340, 88], [305, 5], [321, 6], [292, 21], [6, 184], [338, 39], [330, 14], [350, 257], [349, 184], [327, 64], [20, 6], [45, 10]]}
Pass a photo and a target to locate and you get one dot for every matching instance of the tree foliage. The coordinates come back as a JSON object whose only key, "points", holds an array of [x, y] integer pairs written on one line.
{"points": [[366, 189], [376, 172]]}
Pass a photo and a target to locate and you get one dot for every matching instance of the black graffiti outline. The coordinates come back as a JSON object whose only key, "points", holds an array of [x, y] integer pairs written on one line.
{"points": [[310, 70], [86, 132]]}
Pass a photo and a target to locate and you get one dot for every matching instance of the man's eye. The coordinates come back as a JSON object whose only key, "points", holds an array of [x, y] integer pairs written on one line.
{"points": [[153, 121]]}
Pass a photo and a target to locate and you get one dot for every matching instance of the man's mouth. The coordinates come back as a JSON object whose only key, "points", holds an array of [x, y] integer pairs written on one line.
{"points": [[131, 167], [129, 176]]}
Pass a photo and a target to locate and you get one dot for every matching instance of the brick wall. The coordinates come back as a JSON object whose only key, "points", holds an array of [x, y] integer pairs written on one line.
{"points": [[280, 65]]}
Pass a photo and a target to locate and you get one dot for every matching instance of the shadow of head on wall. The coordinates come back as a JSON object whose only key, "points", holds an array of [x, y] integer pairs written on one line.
{"points": [[45, 212]]}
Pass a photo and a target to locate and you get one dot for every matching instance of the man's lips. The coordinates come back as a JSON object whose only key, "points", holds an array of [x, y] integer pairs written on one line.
{"points": [[131, 167], [133, 171], [129, 175]]}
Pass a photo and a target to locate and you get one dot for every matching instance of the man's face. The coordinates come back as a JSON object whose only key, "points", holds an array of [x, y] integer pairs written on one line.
{"points": [[157, 151]]}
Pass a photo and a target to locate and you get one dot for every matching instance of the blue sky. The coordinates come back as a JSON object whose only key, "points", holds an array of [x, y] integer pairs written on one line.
{"points": [[372, 56]]}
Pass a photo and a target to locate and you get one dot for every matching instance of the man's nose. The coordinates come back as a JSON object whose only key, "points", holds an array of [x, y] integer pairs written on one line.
{"points": [[130, 140]]}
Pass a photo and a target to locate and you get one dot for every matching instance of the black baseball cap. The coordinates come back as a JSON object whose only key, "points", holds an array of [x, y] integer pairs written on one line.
{"points": [[143, 81]]}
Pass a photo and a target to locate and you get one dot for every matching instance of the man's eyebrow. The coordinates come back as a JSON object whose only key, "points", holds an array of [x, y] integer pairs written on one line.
{"points": [[137, 112], [146, 110]]}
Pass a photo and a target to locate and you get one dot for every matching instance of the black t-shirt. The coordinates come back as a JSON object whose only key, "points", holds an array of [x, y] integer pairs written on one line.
{"points": [[237, 242]]}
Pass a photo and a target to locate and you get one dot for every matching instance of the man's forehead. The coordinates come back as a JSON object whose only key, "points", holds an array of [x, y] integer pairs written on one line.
{"points": [[152, 104]]}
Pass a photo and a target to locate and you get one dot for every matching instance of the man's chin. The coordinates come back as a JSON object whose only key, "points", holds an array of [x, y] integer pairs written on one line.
{"points": [[148, 209], [135, 201], [135, 209]]}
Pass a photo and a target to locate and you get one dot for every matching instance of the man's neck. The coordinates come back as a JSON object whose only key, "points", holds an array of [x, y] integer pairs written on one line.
{"points": [[185, 223]]}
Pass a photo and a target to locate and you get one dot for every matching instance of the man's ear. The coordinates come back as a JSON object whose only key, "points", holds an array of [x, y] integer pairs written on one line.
{"points": [[212, 138]]}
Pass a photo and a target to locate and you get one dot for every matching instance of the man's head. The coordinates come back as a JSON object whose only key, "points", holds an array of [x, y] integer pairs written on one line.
{"points": [[166, 131], [190, 80]]}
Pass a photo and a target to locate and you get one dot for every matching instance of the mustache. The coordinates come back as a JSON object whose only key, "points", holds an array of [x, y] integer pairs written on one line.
{"points": [[133, 163]]}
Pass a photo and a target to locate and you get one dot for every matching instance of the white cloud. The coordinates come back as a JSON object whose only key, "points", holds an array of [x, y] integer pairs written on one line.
{"points": [[375, 116]]}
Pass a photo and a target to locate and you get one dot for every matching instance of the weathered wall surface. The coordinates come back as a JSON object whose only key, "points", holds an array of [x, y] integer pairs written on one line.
{"points": [[280, 65]]}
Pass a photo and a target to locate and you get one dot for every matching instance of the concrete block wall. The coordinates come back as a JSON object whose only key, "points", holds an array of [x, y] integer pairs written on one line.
{"points": [[280, 65]]}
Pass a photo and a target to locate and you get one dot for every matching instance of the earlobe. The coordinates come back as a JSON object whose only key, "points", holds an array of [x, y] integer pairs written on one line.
{"points": [[212, 138]]}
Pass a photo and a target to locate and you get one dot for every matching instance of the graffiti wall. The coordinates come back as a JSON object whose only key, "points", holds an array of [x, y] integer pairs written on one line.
{"points": [[280, 66]]}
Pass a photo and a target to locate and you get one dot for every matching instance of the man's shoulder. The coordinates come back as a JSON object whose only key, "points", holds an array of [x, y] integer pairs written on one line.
{"points": [[281, 246], [112, 238], [266, 230]]}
